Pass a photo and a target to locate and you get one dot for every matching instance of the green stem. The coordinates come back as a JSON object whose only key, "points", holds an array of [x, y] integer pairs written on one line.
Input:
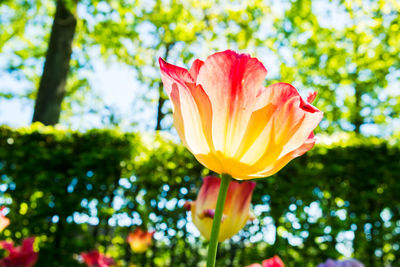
{"points": [[213, 244]]}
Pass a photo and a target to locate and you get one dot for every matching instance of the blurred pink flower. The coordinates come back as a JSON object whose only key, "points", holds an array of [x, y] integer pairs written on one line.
{"points": [[272, 262], [96, 259], [22, 256]]}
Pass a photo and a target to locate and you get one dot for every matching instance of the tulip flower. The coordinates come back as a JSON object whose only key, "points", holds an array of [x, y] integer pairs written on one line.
{"points": [[231, 123], [22, 256], [272, 262], [96, 259], [139, 240], [236, 211], [344, 263], [4, 221]]}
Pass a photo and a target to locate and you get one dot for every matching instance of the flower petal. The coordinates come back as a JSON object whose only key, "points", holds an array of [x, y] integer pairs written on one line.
{"points": [[236, 211], [27, 244], [195, 68], [192, 112], [230, 80], [311, 97], [171, 74], [273, 262], [7, 246], [299, 117], [288, 129], [237, 208], [282, 161], [187, 120], [208, 194]]}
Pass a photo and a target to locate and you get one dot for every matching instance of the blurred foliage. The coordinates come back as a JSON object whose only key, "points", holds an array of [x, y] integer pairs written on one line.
{"points": [[346, 50], [80, 191]]}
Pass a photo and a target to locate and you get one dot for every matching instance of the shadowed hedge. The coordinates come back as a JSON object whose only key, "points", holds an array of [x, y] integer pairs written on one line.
{"points": [[79, 191]]}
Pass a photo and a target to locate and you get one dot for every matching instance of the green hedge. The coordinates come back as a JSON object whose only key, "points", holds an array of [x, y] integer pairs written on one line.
{"points": [[79, 191]]}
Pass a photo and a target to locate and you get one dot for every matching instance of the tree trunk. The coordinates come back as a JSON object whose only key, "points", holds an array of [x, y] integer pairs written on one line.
{"points": [[358, 119], [52, 83], [161, 97], [161, 100]]}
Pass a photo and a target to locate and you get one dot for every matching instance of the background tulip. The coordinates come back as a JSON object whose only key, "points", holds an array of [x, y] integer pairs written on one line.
{"points": [[272, 262], [236, 211], [96, 259], [139, 240], [4, 221], [231, 123], [22, 256]]}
